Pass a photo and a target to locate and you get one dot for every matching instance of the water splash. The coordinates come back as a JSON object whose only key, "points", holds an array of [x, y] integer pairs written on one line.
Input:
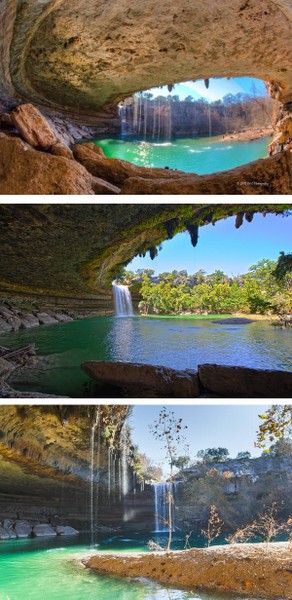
{"points": [[123, 301]]}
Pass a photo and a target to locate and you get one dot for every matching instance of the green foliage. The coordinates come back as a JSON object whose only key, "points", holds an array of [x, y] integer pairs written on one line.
{"points": [[277, 423], [245, 455], [177, 292], [281, 449], [213, 455]]}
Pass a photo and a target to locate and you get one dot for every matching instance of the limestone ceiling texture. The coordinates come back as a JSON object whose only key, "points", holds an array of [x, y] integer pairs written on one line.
{"points": [[83, 56], [79, 248]]}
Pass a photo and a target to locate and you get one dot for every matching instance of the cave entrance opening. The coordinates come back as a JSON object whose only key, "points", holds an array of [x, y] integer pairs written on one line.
{"points": [[197, 127]]}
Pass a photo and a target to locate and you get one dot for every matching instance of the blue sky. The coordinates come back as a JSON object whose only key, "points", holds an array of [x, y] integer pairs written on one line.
{"points": [[233, 427], [223, 247], [217, 88]]}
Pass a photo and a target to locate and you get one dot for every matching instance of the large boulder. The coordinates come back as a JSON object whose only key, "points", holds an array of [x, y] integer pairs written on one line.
{"points": [[66, 530], [4, 326], [32, 126], [22, 529], [4, 534], [43, 530], [265, 176], [243, 382], [45, 319], [24, 170], [28, 320], [5, 368], [144, 380], [115, 170]]}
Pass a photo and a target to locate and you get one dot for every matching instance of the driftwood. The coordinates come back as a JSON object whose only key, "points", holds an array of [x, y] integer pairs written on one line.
{"points": [[19, 353]]}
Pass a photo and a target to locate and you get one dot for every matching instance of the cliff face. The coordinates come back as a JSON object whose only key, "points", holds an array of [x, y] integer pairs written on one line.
{"points": [[67, 255], [82, 57], [46, 463]]}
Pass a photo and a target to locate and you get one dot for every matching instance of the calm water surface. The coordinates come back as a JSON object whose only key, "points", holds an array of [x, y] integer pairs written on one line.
{"points": [[174, 342], [192, 155], [50, 570]]}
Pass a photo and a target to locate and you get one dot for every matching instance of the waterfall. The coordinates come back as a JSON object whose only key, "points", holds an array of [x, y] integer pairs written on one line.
{"points": [[109, 472], [123, 301], [123, 119], [210, 120], [161, 491], [91, 479], [124, 462], [135, 111], [145, 117]]}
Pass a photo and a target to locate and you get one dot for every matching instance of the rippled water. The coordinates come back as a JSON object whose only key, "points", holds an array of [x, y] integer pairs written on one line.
{"points": [[192, 155], [51, 570], [174, 342]]}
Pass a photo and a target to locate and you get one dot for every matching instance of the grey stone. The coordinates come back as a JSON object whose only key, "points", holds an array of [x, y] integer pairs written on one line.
{"points": [[22, 529], [66, 530], [5, 368], [4, 326], [4, 535], [28, 321], [63, 318], [45, 319], [43, 530]]}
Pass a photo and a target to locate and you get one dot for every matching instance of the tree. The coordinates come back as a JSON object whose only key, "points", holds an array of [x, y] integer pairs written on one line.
{"points": [[213, 455], [244, 455], [169, 431], [214, 527], [277, 423], [281, 449]]}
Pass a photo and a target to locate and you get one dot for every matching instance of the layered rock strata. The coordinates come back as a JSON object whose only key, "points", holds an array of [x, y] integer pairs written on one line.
{"points": [[74, 251]]}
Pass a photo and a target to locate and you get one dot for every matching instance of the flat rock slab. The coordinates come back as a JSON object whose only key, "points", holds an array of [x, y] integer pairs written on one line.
{"points": [[145, 380], [32, 126], [252, 569], [232, 321], [243, 382]]}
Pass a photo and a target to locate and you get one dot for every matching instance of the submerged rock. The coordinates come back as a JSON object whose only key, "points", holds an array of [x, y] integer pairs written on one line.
{"points": [[22, 529], [233, 321], [144, 380]]}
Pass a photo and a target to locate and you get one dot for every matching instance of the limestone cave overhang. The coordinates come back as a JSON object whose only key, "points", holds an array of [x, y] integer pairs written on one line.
{"points": [[84, 56], [76, 250]]}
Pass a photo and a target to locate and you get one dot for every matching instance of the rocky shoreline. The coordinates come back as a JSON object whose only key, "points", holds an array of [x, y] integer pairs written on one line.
{"points": [[262, 570], [23, 529], [249, 135]]}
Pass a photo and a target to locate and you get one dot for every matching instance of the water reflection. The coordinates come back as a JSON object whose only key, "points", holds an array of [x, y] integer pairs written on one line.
{"points": [[120, 339]]}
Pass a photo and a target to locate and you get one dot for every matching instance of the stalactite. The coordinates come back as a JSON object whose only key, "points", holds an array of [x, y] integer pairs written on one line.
{"points": [[194, 233], [239, 220], [170, 227], [248, 217]]}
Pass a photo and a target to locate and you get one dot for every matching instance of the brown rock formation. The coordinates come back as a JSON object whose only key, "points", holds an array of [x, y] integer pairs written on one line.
{"points": [[242, 382], [32, 126], [83, 56], [24, 170], [249, 569], [144, 381], [267, 176]]}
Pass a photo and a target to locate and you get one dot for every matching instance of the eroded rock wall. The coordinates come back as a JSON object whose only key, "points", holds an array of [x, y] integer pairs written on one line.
{"points": [[45, 463]]}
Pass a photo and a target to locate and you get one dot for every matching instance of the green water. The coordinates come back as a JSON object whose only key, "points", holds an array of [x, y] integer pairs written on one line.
{"points": [[181, 343], [192, 155], [50, 570]]}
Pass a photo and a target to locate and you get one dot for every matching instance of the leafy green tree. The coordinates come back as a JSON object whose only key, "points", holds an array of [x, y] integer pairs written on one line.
{"points": [[213, 454], [277, 423], [282, 448], [244, 455]]}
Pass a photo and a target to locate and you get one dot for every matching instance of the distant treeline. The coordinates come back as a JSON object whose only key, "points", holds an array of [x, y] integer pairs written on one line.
{"points": [[262, 290], [162, 117]]}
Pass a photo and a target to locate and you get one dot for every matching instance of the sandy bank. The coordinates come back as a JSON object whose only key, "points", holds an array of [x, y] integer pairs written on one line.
{"points": [[249, 135], [263, 570]]}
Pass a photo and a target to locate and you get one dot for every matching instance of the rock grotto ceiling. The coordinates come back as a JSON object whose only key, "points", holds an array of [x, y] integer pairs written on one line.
{"points": [[75, 251], [77, 60]]}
